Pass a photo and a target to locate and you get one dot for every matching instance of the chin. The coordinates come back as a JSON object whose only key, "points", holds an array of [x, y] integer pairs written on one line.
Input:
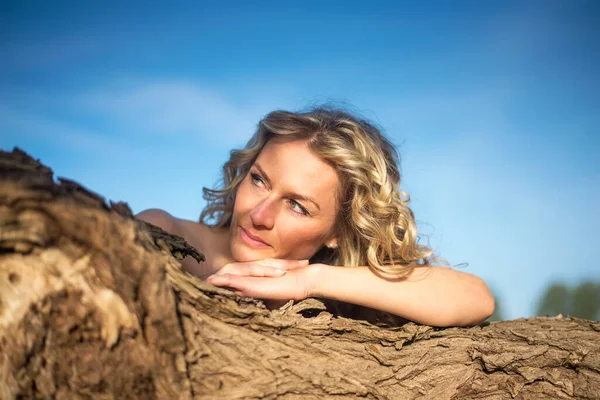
{"points": [[245, 254]]}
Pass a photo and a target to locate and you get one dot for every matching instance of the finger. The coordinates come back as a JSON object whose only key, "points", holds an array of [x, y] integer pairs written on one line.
{"points": [[261, 288], [260, 270], [282, 263], [235, 283], [219, 280], [250, 269]]}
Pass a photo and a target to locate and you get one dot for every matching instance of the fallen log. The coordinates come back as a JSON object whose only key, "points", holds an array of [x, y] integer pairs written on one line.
{"points": [[93, 304]]}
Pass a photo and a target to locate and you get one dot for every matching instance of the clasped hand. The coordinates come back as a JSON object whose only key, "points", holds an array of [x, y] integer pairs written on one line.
{"points": [[268, 279]]}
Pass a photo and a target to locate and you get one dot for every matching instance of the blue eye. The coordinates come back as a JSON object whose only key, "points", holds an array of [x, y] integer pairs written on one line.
{"points": [[296, 207], [256, 179]]}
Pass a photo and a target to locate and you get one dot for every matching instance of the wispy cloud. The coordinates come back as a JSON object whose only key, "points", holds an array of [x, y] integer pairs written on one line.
{"points": [[120, 113], [20, 124], [173, 108]]}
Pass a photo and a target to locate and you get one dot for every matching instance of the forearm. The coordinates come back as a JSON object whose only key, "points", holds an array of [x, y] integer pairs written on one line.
{"points": [[434, 296]]}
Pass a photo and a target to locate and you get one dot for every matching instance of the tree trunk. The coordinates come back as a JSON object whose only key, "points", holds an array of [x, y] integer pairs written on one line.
{"points": [[93, 304]]}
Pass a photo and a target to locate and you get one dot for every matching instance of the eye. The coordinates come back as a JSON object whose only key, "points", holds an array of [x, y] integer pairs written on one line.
{"points": [[257, 180], [297, 207]]}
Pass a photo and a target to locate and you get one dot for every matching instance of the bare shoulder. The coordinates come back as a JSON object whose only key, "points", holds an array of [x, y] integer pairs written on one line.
{"points": [[193, 232], [210, 241], [160, 218]]}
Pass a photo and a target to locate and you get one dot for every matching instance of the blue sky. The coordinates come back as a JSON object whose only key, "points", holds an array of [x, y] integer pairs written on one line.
{"points": [[494, 106]]}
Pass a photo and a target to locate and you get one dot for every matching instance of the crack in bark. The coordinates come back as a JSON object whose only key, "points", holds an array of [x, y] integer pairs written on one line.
{"points": [[195, 340]]}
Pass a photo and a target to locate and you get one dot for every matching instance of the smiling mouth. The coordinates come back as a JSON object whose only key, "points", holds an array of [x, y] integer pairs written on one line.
{"points": [[252, 240]]}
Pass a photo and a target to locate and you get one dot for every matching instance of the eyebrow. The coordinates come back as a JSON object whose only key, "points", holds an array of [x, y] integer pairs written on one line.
{"points": [[293, 195]]}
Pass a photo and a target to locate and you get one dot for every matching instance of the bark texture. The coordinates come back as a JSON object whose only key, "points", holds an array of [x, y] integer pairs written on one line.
{"points": [[93, 304]]}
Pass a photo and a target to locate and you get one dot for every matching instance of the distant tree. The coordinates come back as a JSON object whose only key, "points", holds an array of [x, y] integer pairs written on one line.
{"points": [[586, 301], [555, 300], [95, 304], [582, 301]]}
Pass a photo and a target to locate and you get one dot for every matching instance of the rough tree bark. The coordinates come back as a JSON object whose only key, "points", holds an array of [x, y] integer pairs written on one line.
{"points": [[93, 304]]}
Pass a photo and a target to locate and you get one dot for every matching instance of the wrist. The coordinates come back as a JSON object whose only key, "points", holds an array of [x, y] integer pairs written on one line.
{"points": [[315, 280]]}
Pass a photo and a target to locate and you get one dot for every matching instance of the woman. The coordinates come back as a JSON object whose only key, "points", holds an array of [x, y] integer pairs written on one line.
{"points": [[312, 207]]}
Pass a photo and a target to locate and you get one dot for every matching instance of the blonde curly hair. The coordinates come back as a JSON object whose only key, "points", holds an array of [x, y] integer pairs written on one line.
{"points": [[375, 226]]}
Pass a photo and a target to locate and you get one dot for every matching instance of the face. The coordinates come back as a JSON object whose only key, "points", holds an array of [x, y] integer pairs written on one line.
{"points": [[286, 206]]}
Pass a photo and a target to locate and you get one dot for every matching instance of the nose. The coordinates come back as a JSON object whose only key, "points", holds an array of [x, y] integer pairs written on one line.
{"points": [[263, 214]]}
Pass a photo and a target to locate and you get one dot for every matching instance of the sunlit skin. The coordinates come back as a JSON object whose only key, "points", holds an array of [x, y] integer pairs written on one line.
{"points": [[275, 229], [286, 206]]}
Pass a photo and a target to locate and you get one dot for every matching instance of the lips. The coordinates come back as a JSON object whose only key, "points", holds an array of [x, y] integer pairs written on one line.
{"points": [[252, 240]]}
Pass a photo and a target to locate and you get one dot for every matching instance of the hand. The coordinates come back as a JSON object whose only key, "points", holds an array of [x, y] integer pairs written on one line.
{"points": [[267, 279], [266, 267]]}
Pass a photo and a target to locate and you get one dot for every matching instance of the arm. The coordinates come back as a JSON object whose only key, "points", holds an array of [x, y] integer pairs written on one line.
{"points": [[436, 296]]}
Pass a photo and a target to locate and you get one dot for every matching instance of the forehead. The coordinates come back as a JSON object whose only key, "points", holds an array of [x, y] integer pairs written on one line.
{"points": [[296, 165]]}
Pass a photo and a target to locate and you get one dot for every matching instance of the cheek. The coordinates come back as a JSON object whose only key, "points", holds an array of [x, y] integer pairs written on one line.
{"points": [[241, 199], [302, 235]]}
